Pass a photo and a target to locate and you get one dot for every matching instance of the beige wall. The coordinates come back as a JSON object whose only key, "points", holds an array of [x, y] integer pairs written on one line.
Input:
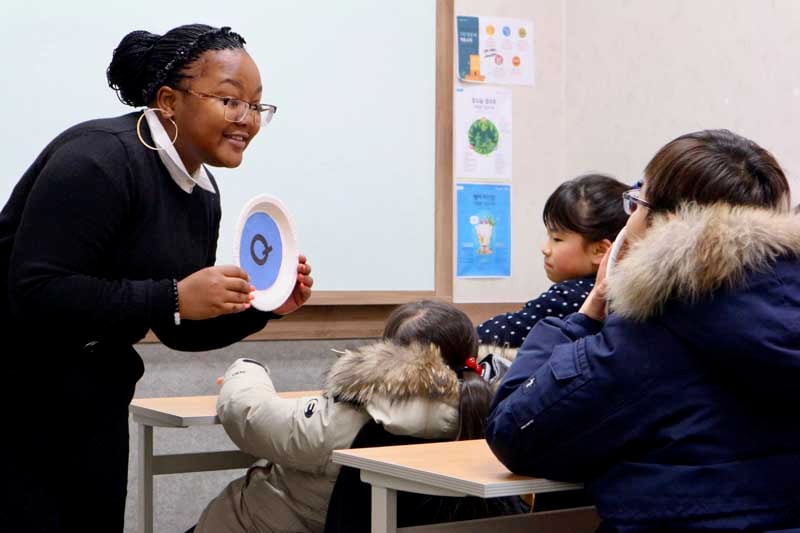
{"points": [[640, 73], [617, 79]]}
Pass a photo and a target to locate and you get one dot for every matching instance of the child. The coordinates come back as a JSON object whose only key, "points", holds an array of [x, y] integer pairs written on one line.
{"points": [[420, 380], [582, 217]]}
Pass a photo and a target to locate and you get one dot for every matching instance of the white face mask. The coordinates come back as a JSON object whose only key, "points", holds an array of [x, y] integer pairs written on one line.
{"points": [[615, 249]]}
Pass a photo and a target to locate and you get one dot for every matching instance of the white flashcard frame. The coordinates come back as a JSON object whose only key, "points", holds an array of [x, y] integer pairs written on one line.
{"points": [[273, 297]]}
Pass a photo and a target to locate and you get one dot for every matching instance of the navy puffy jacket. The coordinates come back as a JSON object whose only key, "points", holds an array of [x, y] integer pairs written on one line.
{"points": [[681, 412]]}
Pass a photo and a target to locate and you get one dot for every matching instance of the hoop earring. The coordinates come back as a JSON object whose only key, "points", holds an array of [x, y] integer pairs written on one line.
{"points": [[139, 129]]}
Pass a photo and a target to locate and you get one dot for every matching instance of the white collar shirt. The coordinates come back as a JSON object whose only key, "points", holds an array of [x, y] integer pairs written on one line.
{"points": [[169, 156]]}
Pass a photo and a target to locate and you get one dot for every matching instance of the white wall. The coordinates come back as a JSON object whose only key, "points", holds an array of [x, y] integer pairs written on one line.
{"points": [[350, 151]]}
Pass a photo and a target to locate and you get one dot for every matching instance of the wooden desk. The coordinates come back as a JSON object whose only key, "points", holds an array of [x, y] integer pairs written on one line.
{"points": [[180, 412], [463, 468]]}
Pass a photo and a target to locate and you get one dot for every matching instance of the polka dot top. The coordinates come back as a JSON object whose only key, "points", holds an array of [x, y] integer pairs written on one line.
{"points": [[559, 301]]}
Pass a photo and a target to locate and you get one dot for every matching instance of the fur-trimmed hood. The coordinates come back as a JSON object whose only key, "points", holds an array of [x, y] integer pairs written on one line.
{"points": [[394, 372], [697, 251], [409, 390], [726, 282]]}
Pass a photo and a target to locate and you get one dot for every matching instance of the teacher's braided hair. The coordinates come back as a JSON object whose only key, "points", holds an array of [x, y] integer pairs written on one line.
{"points": [[143, 62]]}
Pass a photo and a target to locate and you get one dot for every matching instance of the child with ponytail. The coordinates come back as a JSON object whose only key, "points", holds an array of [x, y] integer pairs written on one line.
{"points": [[420, 380]]}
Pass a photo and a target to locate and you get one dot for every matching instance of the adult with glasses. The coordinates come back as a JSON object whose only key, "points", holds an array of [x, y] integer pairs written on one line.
{"points": [[110, 233], [678, 409]]}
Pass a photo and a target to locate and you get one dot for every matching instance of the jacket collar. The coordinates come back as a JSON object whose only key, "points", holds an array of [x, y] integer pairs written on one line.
{"points": [[691, 253], [388, 371]]}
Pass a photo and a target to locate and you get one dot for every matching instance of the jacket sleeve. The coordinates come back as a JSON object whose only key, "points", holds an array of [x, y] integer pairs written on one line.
{"points": [[299, 433], [73, 215], [510, 329], [568, 405]]}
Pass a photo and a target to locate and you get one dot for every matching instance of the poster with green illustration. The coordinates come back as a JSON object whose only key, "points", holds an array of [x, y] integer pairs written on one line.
{"points": [[483, 132], [483, 136]]}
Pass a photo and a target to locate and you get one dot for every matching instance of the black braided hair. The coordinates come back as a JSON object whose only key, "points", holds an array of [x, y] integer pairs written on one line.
{"points": [[143, 62]]}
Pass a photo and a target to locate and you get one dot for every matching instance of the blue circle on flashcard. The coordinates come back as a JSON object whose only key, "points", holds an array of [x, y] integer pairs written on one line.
{"points": [[261, 250], [506, 31]]}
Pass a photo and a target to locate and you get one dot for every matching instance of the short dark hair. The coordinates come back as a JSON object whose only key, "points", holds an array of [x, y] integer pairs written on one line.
{"points": [[590, 205], [143, 62], [713, 166], [450, 329]]}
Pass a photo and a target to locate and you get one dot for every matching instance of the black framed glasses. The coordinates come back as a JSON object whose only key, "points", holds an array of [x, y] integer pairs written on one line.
{"points": [[632, 199], [237, 110]]}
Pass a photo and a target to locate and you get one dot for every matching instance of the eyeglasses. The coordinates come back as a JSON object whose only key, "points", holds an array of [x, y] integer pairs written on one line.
{"points": [[631, 200], [236, 110]]}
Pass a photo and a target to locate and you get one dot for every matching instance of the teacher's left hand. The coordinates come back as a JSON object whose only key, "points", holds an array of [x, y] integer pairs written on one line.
{"points": [[302, 289]]}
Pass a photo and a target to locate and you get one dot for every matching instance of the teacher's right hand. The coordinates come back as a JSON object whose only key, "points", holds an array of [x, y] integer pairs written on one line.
{"points": [[214, 291]]}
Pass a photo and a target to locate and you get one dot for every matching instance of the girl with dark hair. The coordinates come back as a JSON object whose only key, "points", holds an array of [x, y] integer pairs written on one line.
{"points": [[420, 380], [679, 408], [582, 217], [110, 233]]}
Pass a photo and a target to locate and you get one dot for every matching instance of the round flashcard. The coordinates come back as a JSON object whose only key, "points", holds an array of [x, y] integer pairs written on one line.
{"points": [[266, 249]]}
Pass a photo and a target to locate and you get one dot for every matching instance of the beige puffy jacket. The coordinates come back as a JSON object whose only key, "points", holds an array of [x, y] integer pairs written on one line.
{"points": [[410, 390]]}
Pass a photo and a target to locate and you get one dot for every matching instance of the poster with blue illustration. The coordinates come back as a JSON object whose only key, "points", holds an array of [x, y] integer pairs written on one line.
{"points": [[483, 240]]}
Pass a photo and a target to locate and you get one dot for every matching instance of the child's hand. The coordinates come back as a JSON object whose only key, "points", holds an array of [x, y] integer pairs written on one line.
{"points": [[220, 380], [595, 304]]}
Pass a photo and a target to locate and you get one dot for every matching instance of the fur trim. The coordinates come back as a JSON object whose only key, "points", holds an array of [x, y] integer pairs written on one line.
{"points": [[396, 372], [506, 352], [699, 249]]}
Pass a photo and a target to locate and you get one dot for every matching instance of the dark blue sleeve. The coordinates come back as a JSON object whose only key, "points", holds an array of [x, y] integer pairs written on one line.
{"points": [[510, 329], [568, 405], [539, 346]]}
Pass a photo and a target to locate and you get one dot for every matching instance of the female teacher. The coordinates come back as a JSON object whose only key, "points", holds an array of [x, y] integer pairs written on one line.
{"points": [[110, 233]]}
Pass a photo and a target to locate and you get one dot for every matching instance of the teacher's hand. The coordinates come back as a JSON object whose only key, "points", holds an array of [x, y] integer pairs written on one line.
{"points": [[214, 291], [302, 289]]}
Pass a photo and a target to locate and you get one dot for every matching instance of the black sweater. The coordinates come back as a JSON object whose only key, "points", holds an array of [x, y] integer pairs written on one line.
{"points": [[91, 238]]}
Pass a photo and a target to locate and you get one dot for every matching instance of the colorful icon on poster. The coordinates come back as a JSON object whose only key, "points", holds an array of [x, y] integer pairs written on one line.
{"points": [[484, 228], [483, 136]]}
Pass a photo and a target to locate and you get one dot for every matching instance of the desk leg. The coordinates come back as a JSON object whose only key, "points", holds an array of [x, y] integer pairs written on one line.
{"points": [[384, 510], [145, 481]]}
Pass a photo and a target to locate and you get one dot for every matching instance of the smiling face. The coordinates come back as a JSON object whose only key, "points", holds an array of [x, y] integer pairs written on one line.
{"points": [[204, 135]]}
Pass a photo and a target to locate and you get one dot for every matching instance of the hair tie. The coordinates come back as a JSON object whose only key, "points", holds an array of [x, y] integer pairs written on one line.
{"points": [[472, 364]]}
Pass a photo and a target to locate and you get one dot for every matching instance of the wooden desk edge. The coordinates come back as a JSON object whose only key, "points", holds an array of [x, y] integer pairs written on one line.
{"points": [[473, 488], [150, 415]]}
